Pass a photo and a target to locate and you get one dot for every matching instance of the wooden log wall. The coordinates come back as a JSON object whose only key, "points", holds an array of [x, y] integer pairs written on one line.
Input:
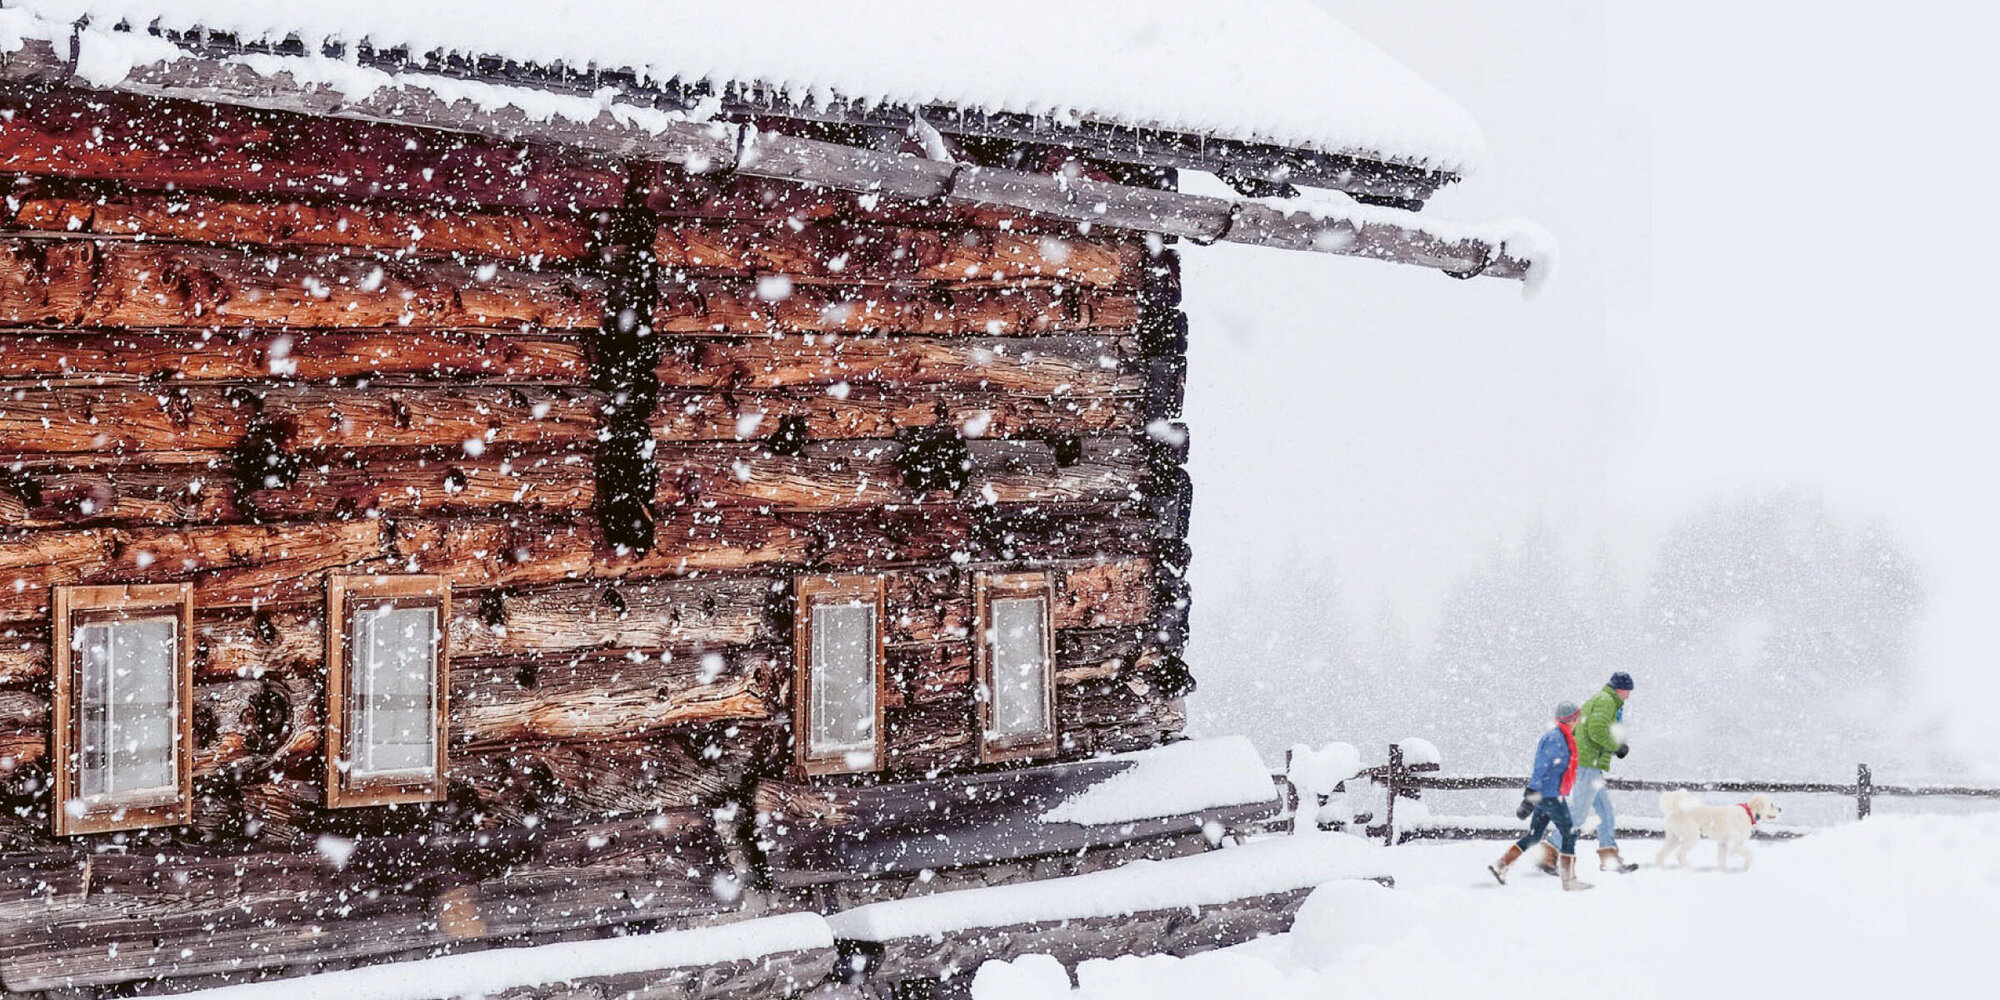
{"points": [[618, 407]]}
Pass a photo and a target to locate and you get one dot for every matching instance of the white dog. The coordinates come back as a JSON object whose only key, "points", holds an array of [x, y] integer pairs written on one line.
{"points": [[1689, 820]]}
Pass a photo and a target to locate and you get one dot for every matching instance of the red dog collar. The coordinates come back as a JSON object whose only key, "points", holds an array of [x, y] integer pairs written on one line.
{"points": [[1747, 811]]}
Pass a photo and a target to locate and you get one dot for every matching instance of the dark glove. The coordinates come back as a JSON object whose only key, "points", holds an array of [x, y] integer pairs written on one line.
{"points": [[1529, 798], [1623, 749]]}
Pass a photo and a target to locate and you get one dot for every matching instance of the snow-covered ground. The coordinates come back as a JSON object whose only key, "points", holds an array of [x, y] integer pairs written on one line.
{"points": [[1895, 906]]}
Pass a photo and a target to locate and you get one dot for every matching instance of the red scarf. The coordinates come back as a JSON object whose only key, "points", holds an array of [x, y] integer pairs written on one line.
{"points": [[1569, 774]]}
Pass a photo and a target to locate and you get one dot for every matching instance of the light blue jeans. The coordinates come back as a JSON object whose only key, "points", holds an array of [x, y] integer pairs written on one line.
{"points": [[1589, 793]]}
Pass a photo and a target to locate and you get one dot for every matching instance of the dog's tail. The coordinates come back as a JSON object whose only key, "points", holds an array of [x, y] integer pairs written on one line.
{"points": [[1677, 800]]}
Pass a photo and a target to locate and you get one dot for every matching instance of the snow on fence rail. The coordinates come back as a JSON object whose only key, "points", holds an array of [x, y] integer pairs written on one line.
{"points": [[1406, 776]]}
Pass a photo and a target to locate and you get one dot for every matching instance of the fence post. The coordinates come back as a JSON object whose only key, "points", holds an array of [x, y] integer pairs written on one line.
{"points": [[1864, 792], [1292, 795], [1395, 789]]}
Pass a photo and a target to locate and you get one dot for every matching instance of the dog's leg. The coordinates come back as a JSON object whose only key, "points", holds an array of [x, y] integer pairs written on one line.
{"points": [[1666, 844], [1722, 854], [1743, 851]]}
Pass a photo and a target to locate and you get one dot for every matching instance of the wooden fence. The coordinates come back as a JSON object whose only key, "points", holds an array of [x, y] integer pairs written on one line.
{"points": [[1407, 781]]}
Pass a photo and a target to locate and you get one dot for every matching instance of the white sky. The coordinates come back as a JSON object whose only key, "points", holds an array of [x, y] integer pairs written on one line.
{"points": [[1776, 263]]}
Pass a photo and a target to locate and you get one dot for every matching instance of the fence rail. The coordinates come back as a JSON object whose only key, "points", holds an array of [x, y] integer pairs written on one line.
{"points": [[1407, 781]]}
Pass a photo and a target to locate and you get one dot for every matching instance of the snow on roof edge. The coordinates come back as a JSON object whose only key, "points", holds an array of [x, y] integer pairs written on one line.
{"points": [[1184, 66]]}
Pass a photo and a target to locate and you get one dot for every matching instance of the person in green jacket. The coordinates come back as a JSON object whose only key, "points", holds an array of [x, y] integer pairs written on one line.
{"points": [[1600, 736]]}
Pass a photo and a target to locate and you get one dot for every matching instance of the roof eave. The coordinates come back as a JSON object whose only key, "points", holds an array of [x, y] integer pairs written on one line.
{"points": [[1372, 177], [640, 132]]}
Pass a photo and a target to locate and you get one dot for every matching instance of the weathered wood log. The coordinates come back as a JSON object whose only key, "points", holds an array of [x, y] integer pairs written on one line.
{"points": [[1146, 722], [779, 974], [703, 767], [23, 710], [359, 483], [231, 565], [170, 418], [1179, 930], [927, 674], [874, 411], [190, 144], [634, 614], [854, 474], [251, 726], [721, 306], [818, 834], [851, 254], [785, 973], [249, 644], [495, 786], [673, 193], [613, 698], [485, 553], [199, 218], [920, 741], [1039, 366], [310, 355], [82, 282], [1101, 654], [81, 489], [936, 605], [169, 916]]}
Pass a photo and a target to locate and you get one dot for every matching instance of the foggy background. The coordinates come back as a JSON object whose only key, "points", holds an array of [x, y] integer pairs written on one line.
{"points": [[1742, 449]]}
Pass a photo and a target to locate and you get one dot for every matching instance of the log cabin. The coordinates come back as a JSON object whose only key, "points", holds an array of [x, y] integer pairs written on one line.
{"points": [[530, 481]]}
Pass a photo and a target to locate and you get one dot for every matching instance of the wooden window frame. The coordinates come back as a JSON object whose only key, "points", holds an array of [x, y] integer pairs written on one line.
{"points": [[347, 595], [809, 591], [987, 587], [74, 605]]}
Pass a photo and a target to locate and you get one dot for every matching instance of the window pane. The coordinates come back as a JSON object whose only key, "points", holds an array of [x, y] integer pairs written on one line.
{"points": [[126, 708], [843, 677], [1020, 670], [394, 690]]}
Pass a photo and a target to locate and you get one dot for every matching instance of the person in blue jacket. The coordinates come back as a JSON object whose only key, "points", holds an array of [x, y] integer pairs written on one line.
{"points": [[1553, 778]]}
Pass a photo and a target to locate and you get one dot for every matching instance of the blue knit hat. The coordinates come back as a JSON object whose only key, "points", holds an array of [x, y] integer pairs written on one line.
{"points": [[1621, 681]]}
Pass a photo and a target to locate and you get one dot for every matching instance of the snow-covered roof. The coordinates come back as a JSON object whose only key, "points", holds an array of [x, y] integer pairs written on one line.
{"points": [[1277, 72]]}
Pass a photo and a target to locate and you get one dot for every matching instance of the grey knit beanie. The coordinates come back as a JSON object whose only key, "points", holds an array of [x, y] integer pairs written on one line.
{"points": [[1567, 711]]}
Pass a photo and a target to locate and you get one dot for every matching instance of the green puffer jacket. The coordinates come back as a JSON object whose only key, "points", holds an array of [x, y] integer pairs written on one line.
{"points": [[1594, 743]]}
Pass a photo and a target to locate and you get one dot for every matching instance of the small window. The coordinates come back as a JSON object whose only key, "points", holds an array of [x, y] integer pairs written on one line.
{"points": [[386, 689], [124, 684], [837, 714], [1016, 665]]}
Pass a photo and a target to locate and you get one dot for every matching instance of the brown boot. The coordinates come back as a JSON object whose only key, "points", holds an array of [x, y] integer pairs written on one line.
{"points": [[1609, 861], [1545, 858], [1499, 868], [1570, 882]]}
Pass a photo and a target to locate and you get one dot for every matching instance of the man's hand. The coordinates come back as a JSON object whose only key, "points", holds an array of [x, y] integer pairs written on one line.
{"points": [[1623, 749], [1529, 799]]}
